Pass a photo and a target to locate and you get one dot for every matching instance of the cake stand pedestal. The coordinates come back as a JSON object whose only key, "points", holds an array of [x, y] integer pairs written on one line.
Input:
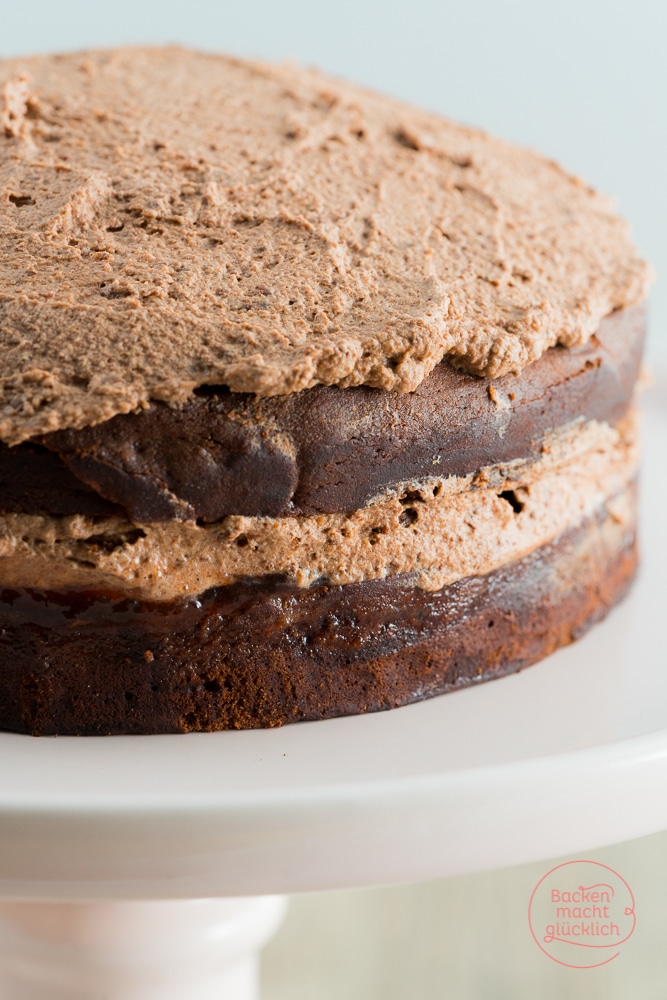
{"points": [[138, 868], [175, 950]]}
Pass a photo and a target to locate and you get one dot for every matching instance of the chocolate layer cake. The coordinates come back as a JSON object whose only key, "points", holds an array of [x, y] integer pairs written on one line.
{"points": [[311, 403]]}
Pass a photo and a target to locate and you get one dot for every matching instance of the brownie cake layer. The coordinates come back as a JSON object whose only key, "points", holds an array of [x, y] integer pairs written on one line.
{"points": [[264, 653], [323, 450]]}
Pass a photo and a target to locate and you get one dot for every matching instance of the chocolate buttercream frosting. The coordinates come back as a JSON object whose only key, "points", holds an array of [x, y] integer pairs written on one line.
{"points": [[170, 220]]}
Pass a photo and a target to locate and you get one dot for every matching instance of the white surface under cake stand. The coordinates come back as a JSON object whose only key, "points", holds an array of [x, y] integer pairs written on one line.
{"points": [[151, 868]]}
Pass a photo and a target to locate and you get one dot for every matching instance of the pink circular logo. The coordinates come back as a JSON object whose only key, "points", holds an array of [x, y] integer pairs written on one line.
{"points": [[580, 913]]}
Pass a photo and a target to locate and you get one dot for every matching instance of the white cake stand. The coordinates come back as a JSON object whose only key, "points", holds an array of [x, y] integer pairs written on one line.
{"points": [[147, 868]]}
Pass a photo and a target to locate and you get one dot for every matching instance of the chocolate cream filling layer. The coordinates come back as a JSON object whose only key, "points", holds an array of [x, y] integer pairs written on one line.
{"points": [[437, 529], [323, 450]]}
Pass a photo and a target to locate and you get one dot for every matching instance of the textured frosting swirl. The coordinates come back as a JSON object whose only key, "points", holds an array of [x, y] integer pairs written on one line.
{"points": [[170, 219]]}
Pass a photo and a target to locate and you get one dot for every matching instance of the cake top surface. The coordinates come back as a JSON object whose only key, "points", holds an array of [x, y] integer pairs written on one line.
{"points": [[170, 219]]}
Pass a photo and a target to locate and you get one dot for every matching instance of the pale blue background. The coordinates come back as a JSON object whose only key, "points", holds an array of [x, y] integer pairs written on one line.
{"points": [[585, 81]]}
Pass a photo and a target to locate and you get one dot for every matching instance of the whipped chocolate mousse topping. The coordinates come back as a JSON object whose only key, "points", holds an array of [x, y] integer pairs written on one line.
{"points": [[170, 220]]}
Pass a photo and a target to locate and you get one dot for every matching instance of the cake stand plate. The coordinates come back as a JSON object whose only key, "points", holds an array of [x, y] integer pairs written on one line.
{"points": [[566, 756]]}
